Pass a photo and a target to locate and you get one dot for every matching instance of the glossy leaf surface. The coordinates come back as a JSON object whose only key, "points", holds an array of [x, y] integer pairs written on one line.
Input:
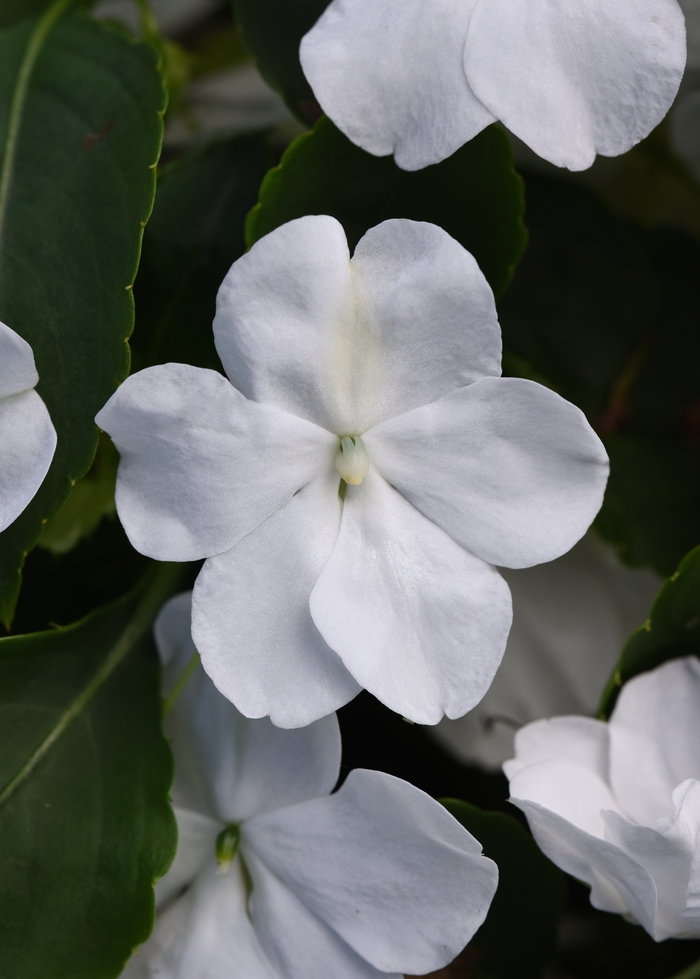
{"points": [[85, 774], [78, 142], [475, 195]]}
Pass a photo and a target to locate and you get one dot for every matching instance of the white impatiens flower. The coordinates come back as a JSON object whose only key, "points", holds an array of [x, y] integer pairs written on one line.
{"points": [[27, 437], [572, 78], [618, 805], [276, 878], [384, 370], [571, 618]]}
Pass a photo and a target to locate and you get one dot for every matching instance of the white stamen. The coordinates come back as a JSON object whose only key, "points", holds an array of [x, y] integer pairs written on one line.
{"points": [[352, 461]]}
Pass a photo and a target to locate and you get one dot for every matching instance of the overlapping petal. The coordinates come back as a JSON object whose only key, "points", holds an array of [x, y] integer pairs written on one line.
{"points": [[417, 620], [17, 368], [579, 77], [220, 753], [372, 861], [201, 466], [27, 445], [391, 76], [302, 327], [505, 466], [251, 619]]}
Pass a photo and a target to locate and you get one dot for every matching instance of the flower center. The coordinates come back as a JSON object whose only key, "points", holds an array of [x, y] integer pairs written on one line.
{"points": [[227, 846], [351, 460]]}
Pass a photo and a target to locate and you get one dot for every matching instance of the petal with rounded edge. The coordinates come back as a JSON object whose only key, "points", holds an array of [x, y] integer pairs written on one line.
{"points": [[575, 740], [226, 764], [251, 621], [204, 934], [27, 445], [511, 471], [618, 883], [201, 466], [298, 943], [418, 621], [17, 368], [390, 75], [385, 867], [606, 73]]}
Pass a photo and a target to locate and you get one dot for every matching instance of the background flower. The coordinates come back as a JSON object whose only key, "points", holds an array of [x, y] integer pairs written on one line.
{"points": [[571, 80], [618, 804], [376, 878], [571, 618], [27, 437], [306, 595]]}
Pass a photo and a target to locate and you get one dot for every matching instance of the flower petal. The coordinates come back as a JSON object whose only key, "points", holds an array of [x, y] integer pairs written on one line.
{"points": [[284, 321], [575, 740], [17, 369], [618, 883], [196, 842], [204, 934], [431, 315], [390, 75], [666, 850], [383, 865], [417, 620], [200, 465], [227, 765], [251, 620], [606, 73], [664, 704], [27, 445], [298, 943], [511, 471]]}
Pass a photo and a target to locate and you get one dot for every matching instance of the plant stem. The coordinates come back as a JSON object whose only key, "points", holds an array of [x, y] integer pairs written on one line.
{"points": [[182, 682]]}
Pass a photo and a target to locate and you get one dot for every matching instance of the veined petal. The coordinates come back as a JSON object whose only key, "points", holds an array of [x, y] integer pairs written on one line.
{"points": [[251, 620], [573, 78], [17, 368], [285, 319], [204, 934], [431, 321], [298, 943], [27, 445], [385, 867], [511, 471], [417, 620], [201, 466], [618, 883], [228, 765], [391, 76]]}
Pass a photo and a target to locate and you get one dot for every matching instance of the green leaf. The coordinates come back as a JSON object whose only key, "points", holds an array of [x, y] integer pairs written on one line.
{"points": [[195, 233], [84, 773], [78, 148], [475, 195], [518, 937], [272, 31], [13, 11], [672, 630]]}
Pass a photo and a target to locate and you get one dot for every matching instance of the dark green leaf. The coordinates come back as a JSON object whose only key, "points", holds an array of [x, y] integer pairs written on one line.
{"points": [[272, 31], [79, 146], [195, 233], [12, 11], [475, 195], [672, 630], [84, 773], [518, 937]]}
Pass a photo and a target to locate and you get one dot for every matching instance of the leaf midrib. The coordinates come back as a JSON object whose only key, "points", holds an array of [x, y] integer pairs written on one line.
{"points": [[19, 97]]}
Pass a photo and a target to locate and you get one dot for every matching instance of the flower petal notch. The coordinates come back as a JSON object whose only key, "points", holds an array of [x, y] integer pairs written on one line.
{"points": [[354, 485], [27, 436], [571, 79], [277, 878], [618, 804]]}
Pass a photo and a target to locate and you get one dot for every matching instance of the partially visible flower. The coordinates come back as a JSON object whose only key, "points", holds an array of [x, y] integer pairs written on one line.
{"points": [[352, 510], [618, 805], [27, 437], [418, 78], [276, 878], [571, 618]]}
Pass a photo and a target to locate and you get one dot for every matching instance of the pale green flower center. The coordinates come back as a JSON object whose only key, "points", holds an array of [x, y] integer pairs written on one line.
{"points": [[351, 460], [227, 843]]}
